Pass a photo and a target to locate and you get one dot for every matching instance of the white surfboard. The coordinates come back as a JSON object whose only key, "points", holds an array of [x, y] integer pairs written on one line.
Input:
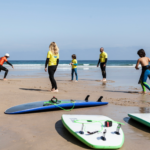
{"points": [[143, 118], [91, 130]]}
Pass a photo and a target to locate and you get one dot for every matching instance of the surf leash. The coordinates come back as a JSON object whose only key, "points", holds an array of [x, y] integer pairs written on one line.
{"points": [[66, 109], [55, 102], [82, 121]]}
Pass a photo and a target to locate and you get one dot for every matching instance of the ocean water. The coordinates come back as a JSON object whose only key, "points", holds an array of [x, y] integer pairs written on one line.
{"points": [[64, 64], [120, 71]]}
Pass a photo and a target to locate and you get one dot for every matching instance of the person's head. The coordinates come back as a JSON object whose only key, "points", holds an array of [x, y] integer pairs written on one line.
{"points": [[54, 48], [7, 55], [73, 56], [101, 49], [141, 53]]}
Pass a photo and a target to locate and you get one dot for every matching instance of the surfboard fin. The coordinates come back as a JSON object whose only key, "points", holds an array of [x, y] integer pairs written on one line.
{"points": [[118, 128], [87, 98], [100, 99], [103, 137], [81, 132]]}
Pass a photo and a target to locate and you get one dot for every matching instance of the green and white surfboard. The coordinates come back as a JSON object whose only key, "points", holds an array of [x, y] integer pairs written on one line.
{"points": [[143, 118], [91, 130]]}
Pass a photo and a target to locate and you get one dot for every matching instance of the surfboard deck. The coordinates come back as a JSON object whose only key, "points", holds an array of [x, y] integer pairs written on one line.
{"points": [[38, 106], [113, 140], [143, 118]]}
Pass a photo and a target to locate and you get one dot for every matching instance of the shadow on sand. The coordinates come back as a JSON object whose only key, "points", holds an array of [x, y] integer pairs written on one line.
{"points": [[62, 131], [34, 89], [136, 124], [123, 91]]}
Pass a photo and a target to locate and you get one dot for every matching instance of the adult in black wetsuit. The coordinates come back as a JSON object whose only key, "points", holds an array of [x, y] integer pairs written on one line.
{"points": [[52, 61], [2, 61], [103, 60]]}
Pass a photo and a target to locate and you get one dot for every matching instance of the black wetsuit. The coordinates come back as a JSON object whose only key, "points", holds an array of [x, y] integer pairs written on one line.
{"points": [[51, 71], [103, 68], [144, 68], [5, 69]]}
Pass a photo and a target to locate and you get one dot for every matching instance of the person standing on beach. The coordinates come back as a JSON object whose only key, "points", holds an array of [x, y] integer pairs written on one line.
{"points": [[144, 61], [52, 61], [74, 64], [103, 60], [2, 61]]}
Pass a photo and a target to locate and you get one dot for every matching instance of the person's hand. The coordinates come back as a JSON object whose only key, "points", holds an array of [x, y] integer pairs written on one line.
{"points": [[104, 65], [13, 67], [55, 69], [97, 65], [136, 68], [45, 69]]}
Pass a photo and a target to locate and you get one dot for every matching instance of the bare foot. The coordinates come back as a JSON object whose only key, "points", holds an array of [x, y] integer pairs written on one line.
{"points": [[5, 79], [55, 91], [76, 81], [142, 92], [51, 90], [104, 80], [148, 93]]}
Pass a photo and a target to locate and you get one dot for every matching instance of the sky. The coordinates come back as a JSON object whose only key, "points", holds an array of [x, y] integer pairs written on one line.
{"points": [[78, 27]]}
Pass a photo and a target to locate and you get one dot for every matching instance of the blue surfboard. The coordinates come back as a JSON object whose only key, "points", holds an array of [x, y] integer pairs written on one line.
{"points": [[52, 105]]}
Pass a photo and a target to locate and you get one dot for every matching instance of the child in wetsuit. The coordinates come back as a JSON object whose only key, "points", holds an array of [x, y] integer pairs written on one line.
{"points": [[74, 64], [144, 61]]}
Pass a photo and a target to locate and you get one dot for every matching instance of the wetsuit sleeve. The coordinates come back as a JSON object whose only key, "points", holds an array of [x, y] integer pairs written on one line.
{"points": [[8, 63], [46, 62], [57, 62], [98, 62], [105, 60]]}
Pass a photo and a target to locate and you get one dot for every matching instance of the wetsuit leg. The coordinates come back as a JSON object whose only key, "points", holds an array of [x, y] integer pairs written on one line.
{"points": [[72, 73], [75, 69], [146, 74], [143, 87], [103, 69], [4, 69], [51, 71]]}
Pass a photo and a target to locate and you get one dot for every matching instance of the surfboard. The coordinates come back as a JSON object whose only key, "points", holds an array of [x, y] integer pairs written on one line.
{"points": [[53, 104], [96, 131], [143, 118]]}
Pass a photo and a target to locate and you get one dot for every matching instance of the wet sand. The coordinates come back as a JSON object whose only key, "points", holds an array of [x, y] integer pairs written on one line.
{"points": [[45, 131]]}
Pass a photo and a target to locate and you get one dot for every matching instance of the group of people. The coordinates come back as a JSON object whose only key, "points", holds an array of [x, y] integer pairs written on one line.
{"points": [[52, 62]]}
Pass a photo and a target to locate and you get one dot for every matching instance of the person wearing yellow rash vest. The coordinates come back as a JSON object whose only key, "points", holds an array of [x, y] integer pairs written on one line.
{"points": [[74, 64], [52, 62], [103, 60]]}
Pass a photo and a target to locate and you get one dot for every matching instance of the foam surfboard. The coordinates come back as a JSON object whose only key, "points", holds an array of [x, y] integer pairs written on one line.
{"points": [[96, 131], [143, 118], [53, 104]]}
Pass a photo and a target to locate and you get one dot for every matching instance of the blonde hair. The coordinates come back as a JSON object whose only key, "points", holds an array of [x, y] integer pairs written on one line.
{"points": [[54, 48]]}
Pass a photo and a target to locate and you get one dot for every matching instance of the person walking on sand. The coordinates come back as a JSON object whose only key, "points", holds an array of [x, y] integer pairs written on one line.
{"points": [[103, 60], [144, 61], [2, 61], [74, 64], [52, 61]]}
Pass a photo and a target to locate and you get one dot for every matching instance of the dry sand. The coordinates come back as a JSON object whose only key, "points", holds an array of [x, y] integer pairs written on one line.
{"points": [[44, 130]]}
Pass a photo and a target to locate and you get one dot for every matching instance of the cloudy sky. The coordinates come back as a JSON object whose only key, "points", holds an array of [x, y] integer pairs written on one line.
{"points": [[77, 26]]}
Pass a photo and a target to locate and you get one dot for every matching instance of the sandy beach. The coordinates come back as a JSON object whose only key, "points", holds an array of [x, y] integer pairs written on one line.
{"points": [[45, 130]]}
